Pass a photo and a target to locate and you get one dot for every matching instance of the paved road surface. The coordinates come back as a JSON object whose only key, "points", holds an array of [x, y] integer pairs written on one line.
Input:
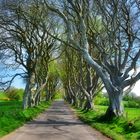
{"points": [[58, 123]]}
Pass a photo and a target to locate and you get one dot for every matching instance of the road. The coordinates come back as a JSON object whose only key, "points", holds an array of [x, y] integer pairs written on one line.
{"points": [[57, 123]]}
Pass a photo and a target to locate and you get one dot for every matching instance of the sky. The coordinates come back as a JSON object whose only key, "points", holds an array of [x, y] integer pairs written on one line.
{"points": [[18, 83], [136, 89]]}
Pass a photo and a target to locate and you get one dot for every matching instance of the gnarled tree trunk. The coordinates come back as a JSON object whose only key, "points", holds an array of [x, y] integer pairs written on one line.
{"points": [[88, 104], [115, 108], [27, 95]]}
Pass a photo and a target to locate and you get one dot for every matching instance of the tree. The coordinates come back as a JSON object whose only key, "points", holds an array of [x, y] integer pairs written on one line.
{"points": [[27, 39], [80, 81], [115, 41]]}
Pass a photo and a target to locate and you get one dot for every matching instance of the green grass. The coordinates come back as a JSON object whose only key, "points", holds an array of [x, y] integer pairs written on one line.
{"points": [[2, 96], [12, 116], [130, 113], [124, 128]]}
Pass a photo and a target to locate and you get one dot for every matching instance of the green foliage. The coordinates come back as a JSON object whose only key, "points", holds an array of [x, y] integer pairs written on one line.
{"points": [[14, 94], [101, 100], [53, 69], [12, 116], [58, 95], [3, 97], [127, 98], [128, 101], [131, 101], [131, 104]]}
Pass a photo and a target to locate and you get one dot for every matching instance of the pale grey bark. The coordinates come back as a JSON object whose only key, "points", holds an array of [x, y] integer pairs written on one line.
{"points": [[27, 97], [115, 67]]}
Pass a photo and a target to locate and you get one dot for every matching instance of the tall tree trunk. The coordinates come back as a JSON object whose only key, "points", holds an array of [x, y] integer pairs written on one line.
{"points": [[73, 97], [81, 100], [115, 94], [68, 96], [88, 103], [27, 95], [37, 99], [115, 105], [47, 95]]}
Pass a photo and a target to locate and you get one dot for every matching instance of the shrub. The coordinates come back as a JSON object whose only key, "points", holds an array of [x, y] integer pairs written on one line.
{"points": [[131, 104], [12, 94], [101, 100], [131, 101]]}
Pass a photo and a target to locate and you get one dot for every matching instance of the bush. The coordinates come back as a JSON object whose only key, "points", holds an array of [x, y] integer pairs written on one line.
{"points": [[131, 101], [101, 100], [58, 95], [127, 98], [131, 104], [12, 94]]}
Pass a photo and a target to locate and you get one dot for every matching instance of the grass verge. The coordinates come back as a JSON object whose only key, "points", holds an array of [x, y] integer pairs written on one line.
{"points": [[12, 116], [117, 129]]}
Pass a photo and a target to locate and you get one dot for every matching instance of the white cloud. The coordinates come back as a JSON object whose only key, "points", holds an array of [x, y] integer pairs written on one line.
{"points": [[136, 89]]}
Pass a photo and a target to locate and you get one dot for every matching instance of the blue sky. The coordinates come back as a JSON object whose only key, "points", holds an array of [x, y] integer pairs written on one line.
{"points": [[18, 83]]}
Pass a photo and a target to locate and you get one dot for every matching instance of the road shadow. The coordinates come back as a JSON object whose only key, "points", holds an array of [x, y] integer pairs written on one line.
{"points": [[58, 115], [53, 122]]}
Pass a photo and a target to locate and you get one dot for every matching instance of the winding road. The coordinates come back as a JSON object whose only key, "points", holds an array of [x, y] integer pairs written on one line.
{"points": [[57, 123]]}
